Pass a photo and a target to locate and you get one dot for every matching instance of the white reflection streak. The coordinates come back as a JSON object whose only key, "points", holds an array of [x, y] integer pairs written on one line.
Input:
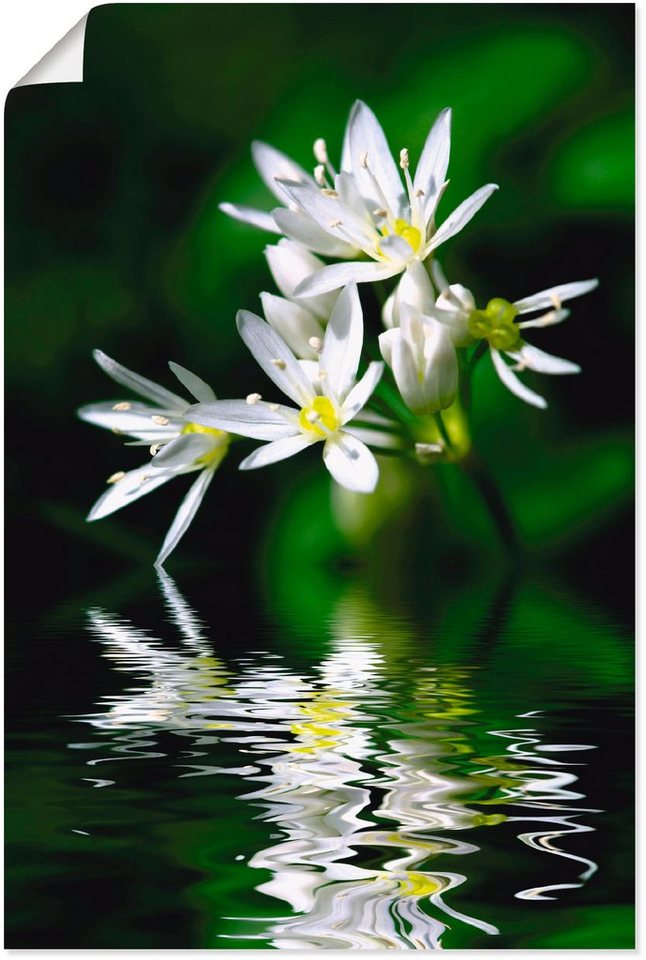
{"points": [[538, 788], [319, 790]]}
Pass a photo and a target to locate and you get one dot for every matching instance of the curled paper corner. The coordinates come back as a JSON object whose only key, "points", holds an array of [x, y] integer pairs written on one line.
{"points": [[63, 63]]}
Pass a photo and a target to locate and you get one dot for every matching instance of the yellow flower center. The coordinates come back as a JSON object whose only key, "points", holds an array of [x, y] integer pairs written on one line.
{"points": [[404, 229], [496, 324], [320, 419], [221, 440]]}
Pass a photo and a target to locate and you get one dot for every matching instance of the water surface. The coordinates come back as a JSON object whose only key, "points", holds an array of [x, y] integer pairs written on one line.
{"points": [[227, 771]]}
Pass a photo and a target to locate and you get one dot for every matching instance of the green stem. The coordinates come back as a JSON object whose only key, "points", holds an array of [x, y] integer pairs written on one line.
{"points": [[478, 472], [441, 426]]}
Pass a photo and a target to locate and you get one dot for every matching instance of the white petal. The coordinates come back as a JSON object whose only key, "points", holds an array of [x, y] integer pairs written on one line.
{"points": [[134, 484], [367, 137], [332, 216], [350, 462], [461, 215], [275, 451], [184, 515], [542, 362], [342, 344], [375, 438], [290, 264], [545, 320], [400, 356], [512, 382], [272, 165], [183, 452], [549, 298], [433, 163], [339, 274], [415, 289], [389, 311], [300, 227], [439, 277], [194, 384], [267, 347], [256, 218], [260, 421], [142, 386], [396, 249], [135, 422], [294, 324], [387, 343], [362, 391], [441, 366]]}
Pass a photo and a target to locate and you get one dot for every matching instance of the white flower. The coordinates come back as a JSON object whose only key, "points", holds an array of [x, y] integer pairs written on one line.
{"points": [[177, 444], [300, 324], [419, 348], [325, 392], [365, 209], [497, 326]]}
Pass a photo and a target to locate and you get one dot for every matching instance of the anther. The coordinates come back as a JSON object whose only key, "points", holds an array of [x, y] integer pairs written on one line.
{"points": [[117, 431], [381, 213], [155, 448], [253, 398], [556, 300], [330, 193], [122, 406], [420, 193], [404, 161], [320, 150], [119, 475], [363, 160], [274, 407], [160, 421], [145, 477], [278, 363], [316, 343], [336, 223]]}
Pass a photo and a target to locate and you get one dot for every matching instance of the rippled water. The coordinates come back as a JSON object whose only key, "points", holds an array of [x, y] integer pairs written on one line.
{"points": [[367, 781]]}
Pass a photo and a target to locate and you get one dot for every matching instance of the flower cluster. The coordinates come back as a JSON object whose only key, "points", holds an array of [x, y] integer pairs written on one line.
{"points": [[376, 222]]}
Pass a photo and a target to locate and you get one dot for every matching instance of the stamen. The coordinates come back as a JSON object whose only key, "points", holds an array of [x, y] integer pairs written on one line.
{"points": [[145, 477], [336, 223], [119, 475], [327, 192], [274, 407], [319, 175], [420, 193], [155, 448], [117, 431], [253, 398], [278, 363], [404, 160], [316, 343], [380, 213], [122, 406], [320, 150], [556, 300], [160, 421], [424, 449]]}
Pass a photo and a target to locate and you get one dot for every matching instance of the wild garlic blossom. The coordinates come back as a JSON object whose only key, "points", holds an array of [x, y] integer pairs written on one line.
{"points": [[375, 220], [497, 326], [327, 395], [366, 210], [178, 445]]}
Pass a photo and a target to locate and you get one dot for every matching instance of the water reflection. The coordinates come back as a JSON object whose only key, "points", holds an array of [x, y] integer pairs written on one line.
{"points": [[370, 769]]}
